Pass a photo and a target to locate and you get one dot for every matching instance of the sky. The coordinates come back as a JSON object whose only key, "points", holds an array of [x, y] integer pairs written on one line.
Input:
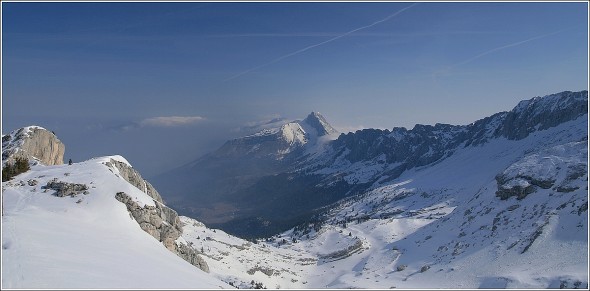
{"points": [[165, 83]]}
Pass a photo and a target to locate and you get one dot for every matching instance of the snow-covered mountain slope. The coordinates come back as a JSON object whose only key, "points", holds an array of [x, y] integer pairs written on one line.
{"points": [[448, 225], [278, 142], [208, 187], [369, 155], [247, 190], [469, 237], [85, 239]]}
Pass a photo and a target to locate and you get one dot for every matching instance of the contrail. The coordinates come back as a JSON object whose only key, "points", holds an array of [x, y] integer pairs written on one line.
{"points": [[506, 46], [365, 34], [319, 44]]}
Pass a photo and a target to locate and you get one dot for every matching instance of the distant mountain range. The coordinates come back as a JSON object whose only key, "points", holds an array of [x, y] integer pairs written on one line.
{"points": [[264, 183]]}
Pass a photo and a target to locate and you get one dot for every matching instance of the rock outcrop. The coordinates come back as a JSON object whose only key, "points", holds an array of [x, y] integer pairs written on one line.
{"points": [[33, 143], [159, 221], [354, 248], [134, 178], [561, 167], [163, 224], [65, 189]]}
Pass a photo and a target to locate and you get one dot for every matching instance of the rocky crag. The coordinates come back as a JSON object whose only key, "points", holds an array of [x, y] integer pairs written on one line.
{"points": [[134, 178], [160, 221], [33, 143]]}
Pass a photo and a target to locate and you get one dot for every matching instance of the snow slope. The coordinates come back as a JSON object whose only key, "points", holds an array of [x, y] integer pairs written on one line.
{"points": [[441, 226], [86, 241]]}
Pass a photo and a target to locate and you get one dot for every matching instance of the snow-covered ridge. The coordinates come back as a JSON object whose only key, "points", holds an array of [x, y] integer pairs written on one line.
{"points": [[541, 113], [117, 158], [85, 240], [551, 102], [427, 144]]}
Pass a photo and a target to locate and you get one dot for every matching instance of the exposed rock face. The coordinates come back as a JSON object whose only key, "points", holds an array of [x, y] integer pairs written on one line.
{"points": [[419, 146], [134, 178], [33, 142], [164, 225], [542, 113]]}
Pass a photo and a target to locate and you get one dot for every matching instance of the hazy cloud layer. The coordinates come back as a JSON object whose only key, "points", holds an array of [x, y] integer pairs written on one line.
{"points": [[169, 121], [258, 125], [162, 122]]}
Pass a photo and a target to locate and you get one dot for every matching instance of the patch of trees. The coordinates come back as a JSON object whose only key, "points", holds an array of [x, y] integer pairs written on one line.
{"points": [[21, 165]]}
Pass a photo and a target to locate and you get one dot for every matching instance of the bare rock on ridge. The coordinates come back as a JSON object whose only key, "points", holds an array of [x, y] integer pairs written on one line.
{"points": [[33, 143], [134, 178]]}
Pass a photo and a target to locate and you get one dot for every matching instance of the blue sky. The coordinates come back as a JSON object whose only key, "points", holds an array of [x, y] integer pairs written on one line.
{"points": [[164, 83]]}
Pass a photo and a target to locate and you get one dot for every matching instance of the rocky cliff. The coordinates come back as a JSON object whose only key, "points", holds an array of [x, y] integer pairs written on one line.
{"points": [[34, 143], [159, 221], [164, 225], [134, 178]]}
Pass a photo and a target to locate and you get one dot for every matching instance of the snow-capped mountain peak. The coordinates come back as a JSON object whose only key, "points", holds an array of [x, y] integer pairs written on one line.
{"points": [[280, 141]]}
